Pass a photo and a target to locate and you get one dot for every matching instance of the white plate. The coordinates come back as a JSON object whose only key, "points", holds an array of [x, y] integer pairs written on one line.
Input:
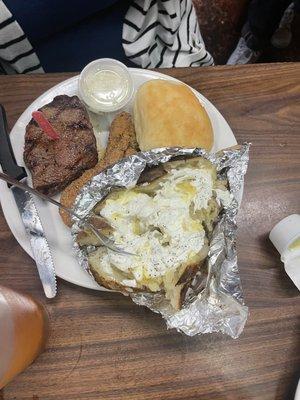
{"points": [[58, 235]]}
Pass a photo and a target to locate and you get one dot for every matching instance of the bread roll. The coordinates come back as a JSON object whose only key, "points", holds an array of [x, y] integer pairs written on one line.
{"points": [[168, 114]]}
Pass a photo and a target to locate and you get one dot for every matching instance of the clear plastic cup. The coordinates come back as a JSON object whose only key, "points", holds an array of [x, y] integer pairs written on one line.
{"points": [[105, 85]]}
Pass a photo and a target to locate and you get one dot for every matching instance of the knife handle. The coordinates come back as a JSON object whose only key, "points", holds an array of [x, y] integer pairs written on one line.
{"points": [[7, 158]]}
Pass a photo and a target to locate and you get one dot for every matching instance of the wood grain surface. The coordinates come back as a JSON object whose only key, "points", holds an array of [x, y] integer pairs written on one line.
{"points": [[102, 346]]}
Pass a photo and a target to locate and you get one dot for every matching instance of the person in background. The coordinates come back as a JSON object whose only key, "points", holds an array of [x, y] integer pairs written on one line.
{"points": [[55, 36], [269, 21]]}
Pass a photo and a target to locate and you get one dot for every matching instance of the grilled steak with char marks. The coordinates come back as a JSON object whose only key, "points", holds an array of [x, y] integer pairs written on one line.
{"points": [[55, 163]]}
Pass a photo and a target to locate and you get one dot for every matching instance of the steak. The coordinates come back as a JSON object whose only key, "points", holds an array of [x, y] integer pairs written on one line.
{"points": [[55, 163]]}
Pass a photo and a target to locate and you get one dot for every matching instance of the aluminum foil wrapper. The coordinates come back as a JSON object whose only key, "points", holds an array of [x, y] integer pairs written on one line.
{"points": [[214, 301]]}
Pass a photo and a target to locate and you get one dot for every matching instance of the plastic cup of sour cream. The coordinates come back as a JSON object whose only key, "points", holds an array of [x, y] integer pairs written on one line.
{"points": [[105, 85], [286, 238]]}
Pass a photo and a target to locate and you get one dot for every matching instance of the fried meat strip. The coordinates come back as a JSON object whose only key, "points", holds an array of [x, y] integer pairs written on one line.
{"points": [[121, 143]]}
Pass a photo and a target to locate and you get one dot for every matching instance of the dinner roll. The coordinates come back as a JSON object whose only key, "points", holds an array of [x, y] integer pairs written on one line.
{"points": [[168, 114]]}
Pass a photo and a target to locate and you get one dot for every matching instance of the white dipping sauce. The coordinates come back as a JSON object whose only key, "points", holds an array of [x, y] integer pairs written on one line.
{"points": [[105, 85]]}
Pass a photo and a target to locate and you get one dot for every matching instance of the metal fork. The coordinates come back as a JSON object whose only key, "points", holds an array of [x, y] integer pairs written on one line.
{"points": [[103, 239]]}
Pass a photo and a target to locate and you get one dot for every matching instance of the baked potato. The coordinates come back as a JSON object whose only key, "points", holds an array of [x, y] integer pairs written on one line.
{"points": [[165, 221]]}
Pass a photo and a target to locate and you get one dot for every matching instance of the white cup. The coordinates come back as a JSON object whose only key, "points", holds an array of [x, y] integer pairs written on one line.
{"points": [[286, 238]]}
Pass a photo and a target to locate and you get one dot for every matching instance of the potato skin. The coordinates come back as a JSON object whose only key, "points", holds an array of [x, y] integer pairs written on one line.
{"points": [[114, 285]]}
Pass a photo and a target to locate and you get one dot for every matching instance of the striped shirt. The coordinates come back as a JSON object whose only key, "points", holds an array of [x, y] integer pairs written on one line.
{"points": [[164, 33], [156, 33], [16, 53]]}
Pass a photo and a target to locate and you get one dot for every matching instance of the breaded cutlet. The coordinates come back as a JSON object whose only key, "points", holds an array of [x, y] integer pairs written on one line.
{"points": [[121, 143]]}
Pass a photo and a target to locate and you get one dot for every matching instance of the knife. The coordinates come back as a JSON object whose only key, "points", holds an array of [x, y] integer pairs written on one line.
{"points": [[28, 212]]}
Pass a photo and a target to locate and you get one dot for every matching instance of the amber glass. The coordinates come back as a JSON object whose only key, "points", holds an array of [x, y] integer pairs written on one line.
{"points": [[23, 332]]}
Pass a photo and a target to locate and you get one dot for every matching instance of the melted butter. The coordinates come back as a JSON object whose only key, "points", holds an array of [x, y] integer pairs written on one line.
{"points": [[295, 245], [187, 189], [192, 225]]}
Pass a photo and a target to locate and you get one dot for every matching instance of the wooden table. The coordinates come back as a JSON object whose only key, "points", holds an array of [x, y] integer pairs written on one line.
{"points": [[103, 347]]}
